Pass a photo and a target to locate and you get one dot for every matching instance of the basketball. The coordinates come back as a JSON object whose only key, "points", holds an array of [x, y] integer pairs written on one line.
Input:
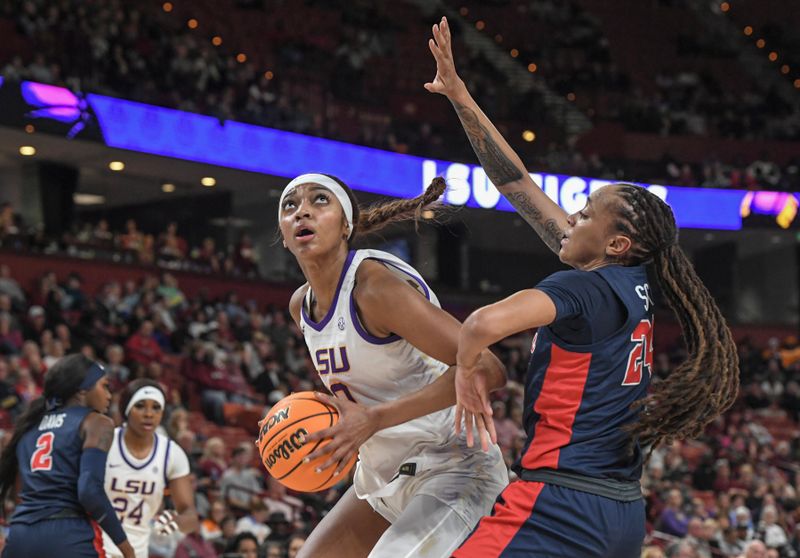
{"points": [[282, 447]]}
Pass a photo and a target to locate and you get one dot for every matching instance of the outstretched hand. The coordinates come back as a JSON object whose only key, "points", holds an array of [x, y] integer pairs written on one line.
{"points": [[446, 81], [355, 426], [473, 409]]}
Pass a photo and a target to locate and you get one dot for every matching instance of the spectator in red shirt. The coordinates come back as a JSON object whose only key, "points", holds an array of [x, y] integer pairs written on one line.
{"points": [[142, 346]]}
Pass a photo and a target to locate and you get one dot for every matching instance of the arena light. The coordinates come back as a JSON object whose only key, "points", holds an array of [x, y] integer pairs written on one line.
{"points": [[88, 199], [761, 43], [480, 25], [464, 11], [570, 96], [528, 135], [30, 128], [797, 83], [167, 6], [27, 150], [268, 74], [116, 166], [773, 56], [748, 30], [498, 38], [532, 67], [192, 23], [216, 41], [168, 187], [785, 69], [241, 58], [514, 53], [208, 181], [725, 6]]}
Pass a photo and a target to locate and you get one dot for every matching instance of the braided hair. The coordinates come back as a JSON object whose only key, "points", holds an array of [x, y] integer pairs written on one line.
{"points": [[382, 214], [707, 383]]}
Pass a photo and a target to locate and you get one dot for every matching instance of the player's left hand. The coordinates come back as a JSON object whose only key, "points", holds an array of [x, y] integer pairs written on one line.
{"points": [[355, 426], [165, 523]]}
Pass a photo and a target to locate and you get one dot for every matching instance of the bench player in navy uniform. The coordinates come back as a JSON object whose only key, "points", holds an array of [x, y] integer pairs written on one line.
{"points": [[588, 412], [59, 449]]}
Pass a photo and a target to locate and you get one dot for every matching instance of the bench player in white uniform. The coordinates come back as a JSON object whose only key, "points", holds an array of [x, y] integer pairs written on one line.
{"points": [[141, 464], [383, 346]]}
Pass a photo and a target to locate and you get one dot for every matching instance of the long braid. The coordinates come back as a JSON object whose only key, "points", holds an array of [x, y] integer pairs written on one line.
{"points": [[706, 384], [380, 215]]}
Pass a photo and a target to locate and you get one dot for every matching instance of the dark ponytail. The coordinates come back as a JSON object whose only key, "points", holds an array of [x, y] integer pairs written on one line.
{"points": [[707, 383], [61, 382]]}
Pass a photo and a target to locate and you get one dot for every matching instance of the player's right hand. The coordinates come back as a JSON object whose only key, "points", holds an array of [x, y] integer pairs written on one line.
{"points": [[473, 410], [446, 81]]}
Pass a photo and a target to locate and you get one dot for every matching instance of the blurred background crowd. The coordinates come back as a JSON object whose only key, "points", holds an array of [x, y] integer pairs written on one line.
{"points": [[572, 84]]}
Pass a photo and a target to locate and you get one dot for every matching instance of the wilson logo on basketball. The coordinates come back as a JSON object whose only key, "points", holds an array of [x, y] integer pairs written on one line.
{"points": [[286, 448], [271, 421]]}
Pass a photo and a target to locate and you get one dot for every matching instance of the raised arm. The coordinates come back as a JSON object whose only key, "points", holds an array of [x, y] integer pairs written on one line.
{"points": [[502, 165]]}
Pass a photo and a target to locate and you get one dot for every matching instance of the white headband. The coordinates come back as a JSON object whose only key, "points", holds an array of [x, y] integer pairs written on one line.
{"points": [[146, 392], [326, 182]]}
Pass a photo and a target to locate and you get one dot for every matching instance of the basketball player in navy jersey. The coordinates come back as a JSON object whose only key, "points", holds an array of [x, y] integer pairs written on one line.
{"points": [[59, 449], [587, 408]]}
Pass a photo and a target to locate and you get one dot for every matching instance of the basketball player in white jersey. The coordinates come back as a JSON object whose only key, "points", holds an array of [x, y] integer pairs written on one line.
{"points": [[384, 347], [141, 464]]}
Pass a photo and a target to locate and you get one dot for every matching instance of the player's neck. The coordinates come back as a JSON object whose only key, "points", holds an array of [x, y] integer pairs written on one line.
{"points": [[323, 275], [139, 446]]}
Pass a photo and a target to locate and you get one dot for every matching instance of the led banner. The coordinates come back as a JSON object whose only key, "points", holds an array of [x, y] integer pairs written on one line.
{"points": [[205, 139]]}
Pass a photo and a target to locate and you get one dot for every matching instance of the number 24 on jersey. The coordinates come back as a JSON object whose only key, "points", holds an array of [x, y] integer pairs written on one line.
{"points": [[641, 355]]}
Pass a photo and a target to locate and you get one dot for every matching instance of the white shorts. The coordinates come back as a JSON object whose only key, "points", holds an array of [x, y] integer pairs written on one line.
{"points": [[433, 512]]}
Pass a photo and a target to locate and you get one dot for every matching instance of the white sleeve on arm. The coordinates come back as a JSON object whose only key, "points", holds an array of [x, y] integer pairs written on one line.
{"points": [[177, 462]]}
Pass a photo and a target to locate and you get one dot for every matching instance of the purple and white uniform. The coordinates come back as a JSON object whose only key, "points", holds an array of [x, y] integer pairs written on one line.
{"points": [[422, 456], [135, 487]]}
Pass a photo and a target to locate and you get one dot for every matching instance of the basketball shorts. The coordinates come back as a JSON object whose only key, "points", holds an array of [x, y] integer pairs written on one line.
{"points": [[433, 511], [544, 520], [64, 538]]}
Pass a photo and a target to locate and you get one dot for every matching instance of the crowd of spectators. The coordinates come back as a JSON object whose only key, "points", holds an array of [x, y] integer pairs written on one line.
{"points": [[215, 358], [317, 85], [205, 353], [166, 250], [688, 103], [335, 84]]}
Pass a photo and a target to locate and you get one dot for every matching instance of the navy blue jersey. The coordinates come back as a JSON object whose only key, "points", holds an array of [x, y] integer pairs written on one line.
{"points": [[586, 370], [49, 457]]}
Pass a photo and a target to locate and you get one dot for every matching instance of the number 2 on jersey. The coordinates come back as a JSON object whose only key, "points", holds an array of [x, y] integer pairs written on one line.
{"points": [[641, 355], [41, 460], [338, 387]]}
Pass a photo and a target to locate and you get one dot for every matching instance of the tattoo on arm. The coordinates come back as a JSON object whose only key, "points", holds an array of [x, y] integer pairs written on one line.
{"points": [[501, 170], [497, 165], [106, 438], [547, 230]]}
